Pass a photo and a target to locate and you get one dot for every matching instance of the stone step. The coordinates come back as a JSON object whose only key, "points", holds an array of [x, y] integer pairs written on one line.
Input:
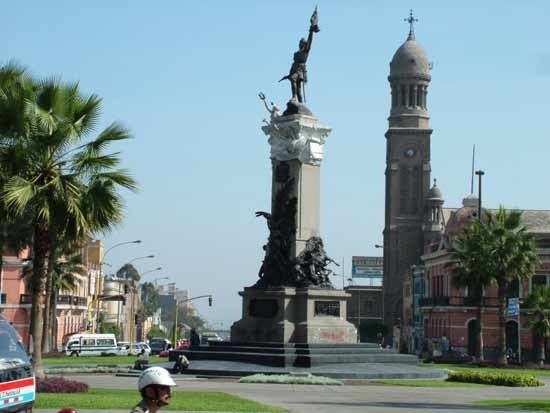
{"points": [[293, 359], [291, 350]]}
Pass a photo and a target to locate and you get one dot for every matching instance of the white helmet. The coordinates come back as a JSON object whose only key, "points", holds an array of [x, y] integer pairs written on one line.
{"points": [[155, 375]]}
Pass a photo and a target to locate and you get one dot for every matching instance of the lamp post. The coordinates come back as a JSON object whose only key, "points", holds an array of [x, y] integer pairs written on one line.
{"points": [[149, 271], [159, 278], [140, 258], [479, 173], [99, 284]]}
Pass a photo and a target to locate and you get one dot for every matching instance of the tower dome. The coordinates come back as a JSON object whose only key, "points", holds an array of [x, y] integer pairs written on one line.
{"points": [[410, 60], [409, 79], [434, 193]]}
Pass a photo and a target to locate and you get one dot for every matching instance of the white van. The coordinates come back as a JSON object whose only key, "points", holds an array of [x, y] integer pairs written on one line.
{"points": [[91, 345]]}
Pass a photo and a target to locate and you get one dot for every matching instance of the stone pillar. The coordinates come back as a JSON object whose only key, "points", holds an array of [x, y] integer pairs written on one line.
{"points": [[297, 151]]}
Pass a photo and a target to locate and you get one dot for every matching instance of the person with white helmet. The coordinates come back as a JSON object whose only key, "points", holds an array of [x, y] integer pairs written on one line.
{"points": [[155, 385]]}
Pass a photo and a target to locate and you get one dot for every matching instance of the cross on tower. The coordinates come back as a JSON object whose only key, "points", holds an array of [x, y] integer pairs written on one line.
{"points": [[411, 19]]}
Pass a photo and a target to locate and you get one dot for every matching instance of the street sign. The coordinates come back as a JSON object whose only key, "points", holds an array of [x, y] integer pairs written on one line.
{"points": [[513, 307]]}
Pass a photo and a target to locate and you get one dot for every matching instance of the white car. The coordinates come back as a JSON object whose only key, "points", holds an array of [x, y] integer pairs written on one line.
{"points": [[136, 348]]}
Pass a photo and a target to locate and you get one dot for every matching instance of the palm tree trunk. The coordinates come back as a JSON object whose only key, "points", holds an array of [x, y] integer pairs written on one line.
{"points": [[53, 318], [42, 246], [542, 355], [480, 356], [47, 330], [502, 292]]}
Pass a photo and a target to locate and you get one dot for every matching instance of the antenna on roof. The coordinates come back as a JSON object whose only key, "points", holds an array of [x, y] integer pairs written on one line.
{"points": [[473, 167]]}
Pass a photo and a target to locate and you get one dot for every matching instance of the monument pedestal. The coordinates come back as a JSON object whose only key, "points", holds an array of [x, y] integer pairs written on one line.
{"points": [[294, 315]]}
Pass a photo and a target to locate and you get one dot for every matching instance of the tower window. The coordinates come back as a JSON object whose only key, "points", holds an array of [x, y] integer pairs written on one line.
{"points": [[411, 96], [419, 94], [403, 101]]}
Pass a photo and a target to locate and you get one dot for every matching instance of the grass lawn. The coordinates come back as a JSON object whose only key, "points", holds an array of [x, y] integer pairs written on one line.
{"points": [[536, 405], [427, 383], [108, 399], [458, 367], [102, 361]]}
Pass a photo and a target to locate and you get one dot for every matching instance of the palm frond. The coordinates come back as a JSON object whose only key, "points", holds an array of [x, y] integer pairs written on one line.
{"points": [[18, 194]]}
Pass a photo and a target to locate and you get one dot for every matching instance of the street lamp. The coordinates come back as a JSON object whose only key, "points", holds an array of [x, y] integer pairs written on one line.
{"points": [[140, 258], [159, 278], [138, 241], [479, 173], [148, 271], [175, 332]]}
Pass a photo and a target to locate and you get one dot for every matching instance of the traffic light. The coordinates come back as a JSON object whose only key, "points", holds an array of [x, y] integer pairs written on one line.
{"points": [[210, 301]]}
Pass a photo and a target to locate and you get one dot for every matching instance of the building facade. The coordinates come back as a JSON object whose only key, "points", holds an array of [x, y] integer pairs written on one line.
{"points": [[452, 312]]}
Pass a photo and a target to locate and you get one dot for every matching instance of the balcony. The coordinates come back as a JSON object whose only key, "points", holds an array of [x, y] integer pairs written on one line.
{"points": [[439, 301], [72, 300], [444, 301], [25, 299]]}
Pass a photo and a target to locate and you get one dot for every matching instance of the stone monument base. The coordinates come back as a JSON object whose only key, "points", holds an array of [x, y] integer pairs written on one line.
{"points": [[294, 315]]}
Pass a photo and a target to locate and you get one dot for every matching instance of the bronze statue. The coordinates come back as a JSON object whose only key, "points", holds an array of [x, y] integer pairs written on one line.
{"points": [[298, 72], [310, 267], [276, 268]]}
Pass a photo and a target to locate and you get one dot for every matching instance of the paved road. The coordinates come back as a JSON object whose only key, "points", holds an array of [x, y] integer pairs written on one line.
{"points": [[348, 398]]}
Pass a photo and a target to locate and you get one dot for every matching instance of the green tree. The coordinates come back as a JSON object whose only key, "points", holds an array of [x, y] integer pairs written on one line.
{"points": [[155, 331], [150, 300], [538, 309], [64, 184], [15, 232], [468, 253], [129, 272], [512, 256]]}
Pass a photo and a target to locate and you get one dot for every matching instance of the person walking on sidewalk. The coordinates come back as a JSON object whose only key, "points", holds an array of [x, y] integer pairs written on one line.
{"points": [[155, 385]]}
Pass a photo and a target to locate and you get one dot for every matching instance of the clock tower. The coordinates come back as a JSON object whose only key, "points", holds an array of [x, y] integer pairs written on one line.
{"points": [[407, 170]]}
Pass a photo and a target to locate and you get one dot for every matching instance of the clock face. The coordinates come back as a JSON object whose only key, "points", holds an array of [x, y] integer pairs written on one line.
{"points": [[409, 153]]}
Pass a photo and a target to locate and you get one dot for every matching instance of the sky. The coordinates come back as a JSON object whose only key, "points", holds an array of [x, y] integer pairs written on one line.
{"points": [[184, 77]]}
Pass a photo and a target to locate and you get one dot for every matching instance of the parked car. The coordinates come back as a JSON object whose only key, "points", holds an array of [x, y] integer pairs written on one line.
{"points": [[136, 348], [91, 345], [159, 344], [120, 351], [210, 336]]}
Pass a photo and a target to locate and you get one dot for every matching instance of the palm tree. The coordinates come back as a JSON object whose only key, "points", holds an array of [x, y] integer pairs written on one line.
{"points": [[538, 305], [468, 253], [511, 257], [62, 183], [14, 232], [63, 266], [64, 278]]}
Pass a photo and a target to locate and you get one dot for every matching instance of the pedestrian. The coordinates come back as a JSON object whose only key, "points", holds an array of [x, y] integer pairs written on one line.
{"points": [[445, 345], [143, 360], [155, 385], [380, 340], [194, 338]]}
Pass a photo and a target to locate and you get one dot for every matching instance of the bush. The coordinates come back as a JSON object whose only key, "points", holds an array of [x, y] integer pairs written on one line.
{"points": [[289, 379], [53, 354], [495, 379], [60, 385]]}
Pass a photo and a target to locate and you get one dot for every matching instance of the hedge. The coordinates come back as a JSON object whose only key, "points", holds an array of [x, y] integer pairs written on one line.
{"points": [[494, 378]]}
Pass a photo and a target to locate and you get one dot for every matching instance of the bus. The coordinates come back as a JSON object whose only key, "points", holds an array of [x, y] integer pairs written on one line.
{"points": [[17, 382], [91, 345]]}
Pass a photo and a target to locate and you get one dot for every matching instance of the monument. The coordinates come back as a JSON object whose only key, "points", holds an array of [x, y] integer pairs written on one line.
{"points": [[293, 300]]}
